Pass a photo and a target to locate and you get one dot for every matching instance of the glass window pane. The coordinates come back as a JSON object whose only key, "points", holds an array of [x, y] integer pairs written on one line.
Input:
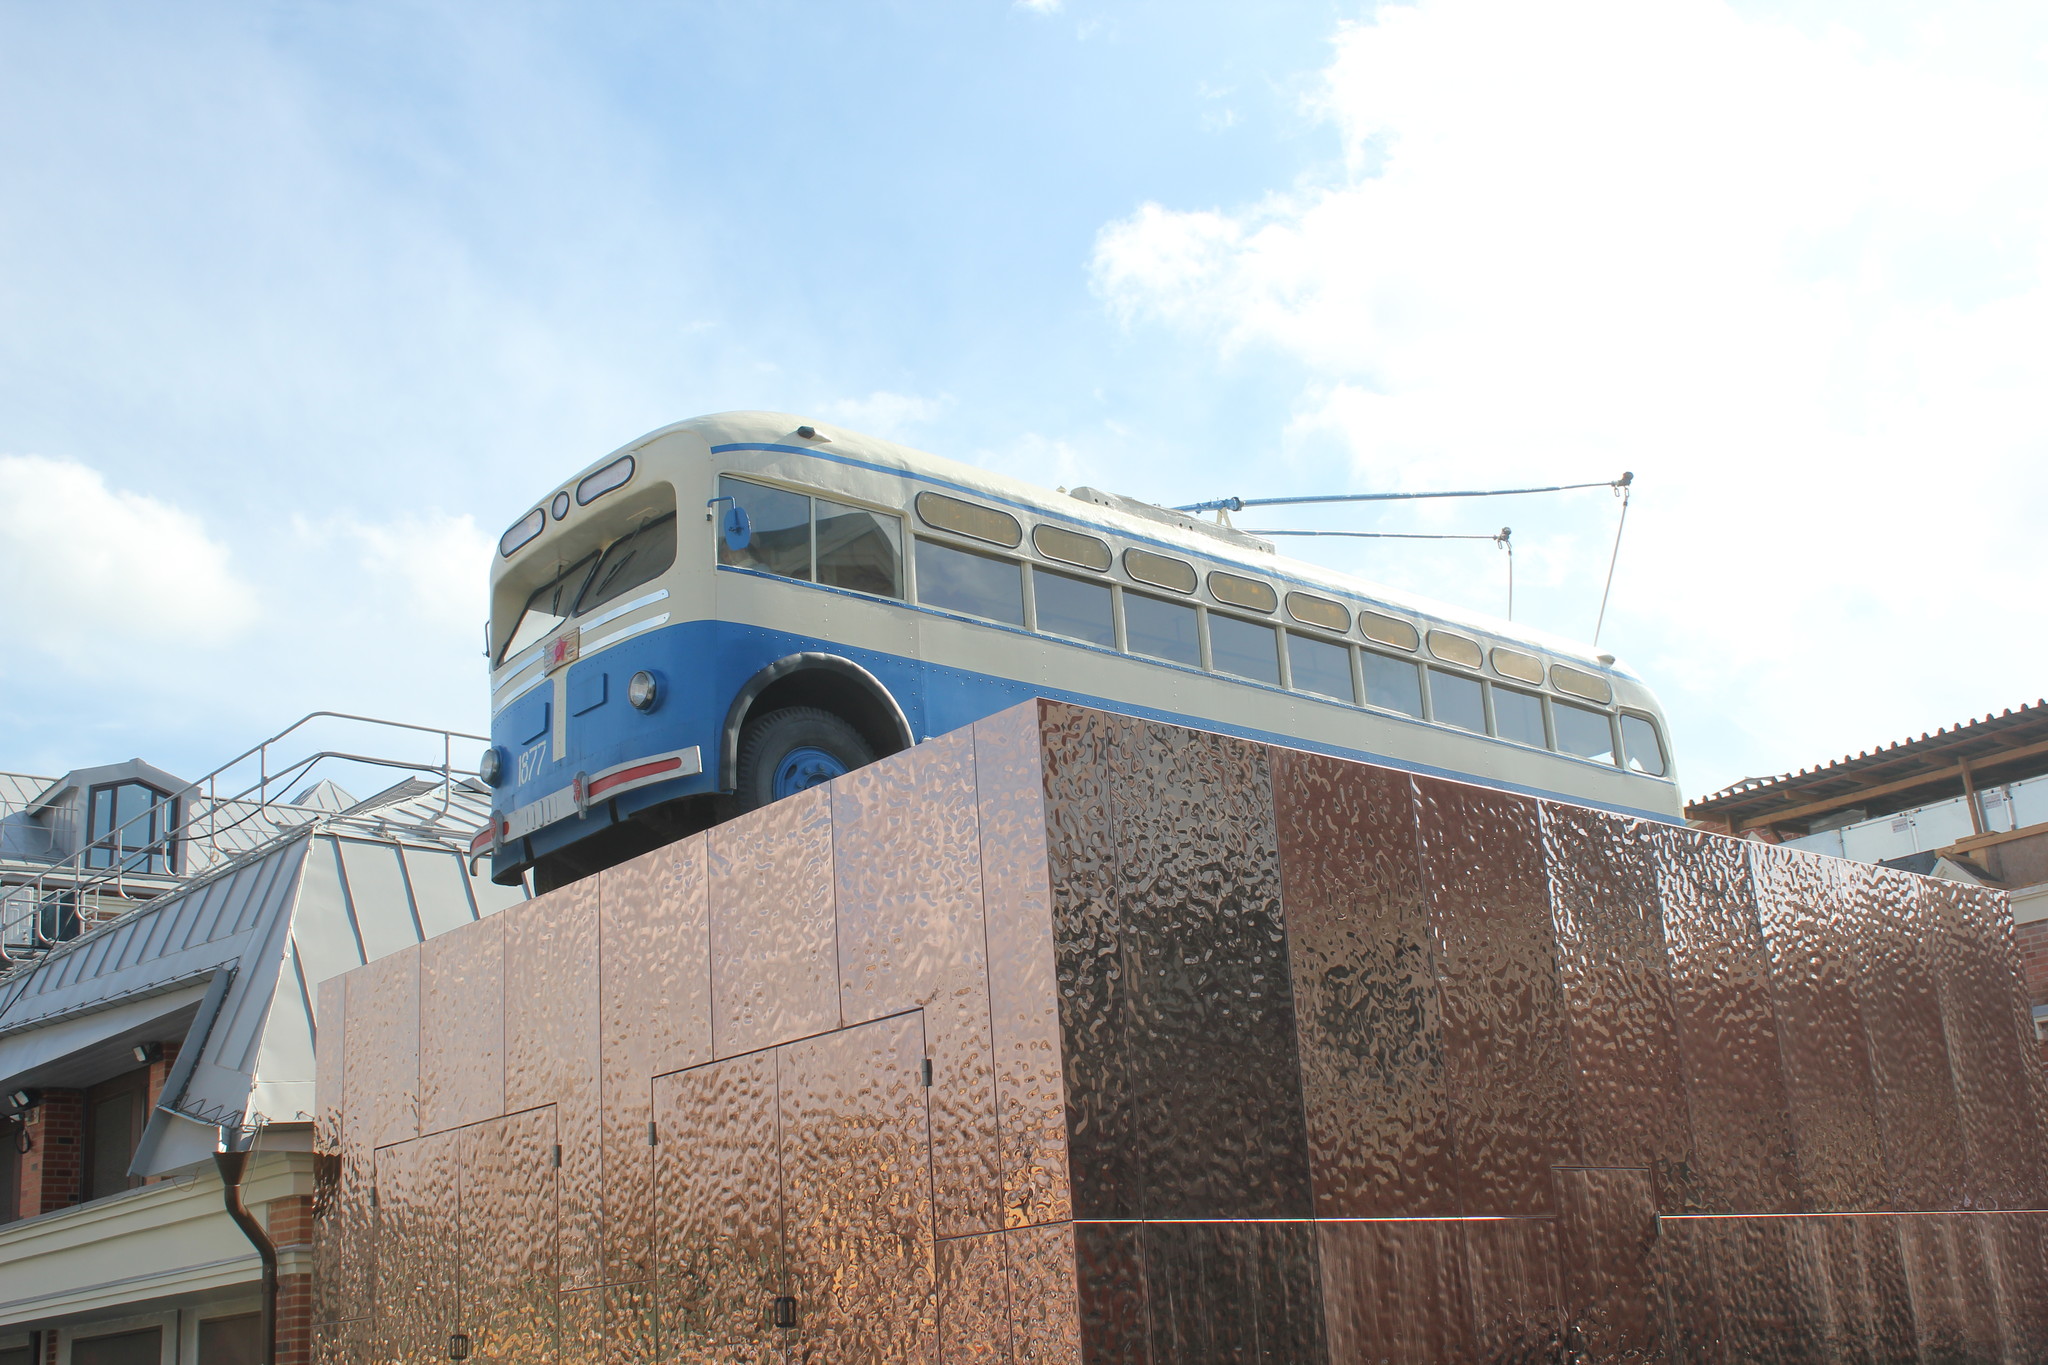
{"points": [[1078, 608], [1639, 740], [1320, 666], [125, 1348], [1518, 716], [102, 822], [1454, 648], [1159, 570], [110, 1128], [232, 1341], [958, 580], [1512, 663], [1387, 630], [1580, 683], [1392, 683], [1242, 592], [614, 475], [1583, 731], [1071, 546], [1456, 700], [778, 532], [548, 607], [1318, 611], [634, 559], [970, 519], [1162, 629], [1246, 648], [859, 550]]}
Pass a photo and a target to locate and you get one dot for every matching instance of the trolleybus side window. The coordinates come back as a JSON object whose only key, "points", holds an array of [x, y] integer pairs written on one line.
{"points": [[1640, 743], [1518, 715], [629, 561], [1455, 699], [548, 606], [1394, 684], [777, 530], [850, 547], [1162, 629], [1078, 608], [859, 549], [1319, 666], [1583, 731], [959, 580], [1248, 649]]}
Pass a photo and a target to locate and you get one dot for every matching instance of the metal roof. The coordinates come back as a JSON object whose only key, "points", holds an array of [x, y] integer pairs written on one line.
{"points": [[1913, 772]]}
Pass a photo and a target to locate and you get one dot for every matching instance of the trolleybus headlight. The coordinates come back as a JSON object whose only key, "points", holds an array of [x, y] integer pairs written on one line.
{"points": [[491, 766], [643, 691]]}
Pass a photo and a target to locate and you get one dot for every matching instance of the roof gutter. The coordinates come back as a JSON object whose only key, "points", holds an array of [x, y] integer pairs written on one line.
{"points": [[231, 1165]]}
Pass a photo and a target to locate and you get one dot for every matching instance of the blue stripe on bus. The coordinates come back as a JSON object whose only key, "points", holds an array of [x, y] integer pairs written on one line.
{"points": [[1037, 510]]}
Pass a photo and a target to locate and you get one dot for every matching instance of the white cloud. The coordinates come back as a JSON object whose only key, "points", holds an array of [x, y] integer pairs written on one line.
{"points": [[91, 569], [426, 571], [892, 416], [1040, 6], [1797, 287]]}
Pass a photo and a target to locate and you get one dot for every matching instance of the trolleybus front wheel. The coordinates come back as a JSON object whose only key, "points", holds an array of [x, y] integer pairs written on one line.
{"points": [[793, 750]]}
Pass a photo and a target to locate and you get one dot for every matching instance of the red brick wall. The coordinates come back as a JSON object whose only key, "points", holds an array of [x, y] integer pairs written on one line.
{"points": [[52, 1168], [2033, 945], [290, 1225]]}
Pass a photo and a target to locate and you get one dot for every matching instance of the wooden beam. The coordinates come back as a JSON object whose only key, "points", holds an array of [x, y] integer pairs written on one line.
{"points": [[1970, 796], [1945, 774]]}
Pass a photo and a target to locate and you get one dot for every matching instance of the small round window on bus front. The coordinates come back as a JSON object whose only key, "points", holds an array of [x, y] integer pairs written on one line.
{"points": [[1388, 630], [1159, 570], [1318, 611], [970, 519], [521, 531], [1454, 649], [617, 474], [1071, 547], [1249, 593]]}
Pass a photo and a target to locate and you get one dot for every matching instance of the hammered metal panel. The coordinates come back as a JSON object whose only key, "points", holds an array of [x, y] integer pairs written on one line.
{"points": [[774, 964], [613, 1325], [350, 1232], [416, 1258], [1916, 1095], [1691, 1317], [383, 1000], [907, 858], [1208, 1029], [1941, 1306], [1394, 1291], [1505, 1044], [1803, 909], [1234, 1291], [1512, 1288], [1767, 1313], [1088, 953], [462, 1026], [1045, 1307], [1023, 979], [1607, 1234], [335, 1288], [1365, 990], [655, 996], [1979, 987], [552, 1023], [510, 1261], [2016, 1244], [856, 1178], [1727, 1032], [974, 1300], [718, 1223], [1110, 1267], [346, 1342], [1627, 1078]]}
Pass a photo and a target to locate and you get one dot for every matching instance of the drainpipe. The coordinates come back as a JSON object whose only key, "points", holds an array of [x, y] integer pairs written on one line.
{"points": [[231, 1164]]}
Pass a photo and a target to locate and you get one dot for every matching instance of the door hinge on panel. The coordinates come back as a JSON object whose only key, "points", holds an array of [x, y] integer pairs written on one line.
{"points": [[927, 1071], [653, 1137], [558, 1156], [785, 1310]]}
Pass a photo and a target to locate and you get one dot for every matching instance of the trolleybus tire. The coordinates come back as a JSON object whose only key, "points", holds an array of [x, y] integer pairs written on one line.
{"points": [[791, 750]]}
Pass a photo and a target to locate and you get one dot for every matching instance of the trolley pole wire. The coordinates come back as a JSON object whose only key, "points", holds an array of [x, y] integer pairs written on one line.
{"points": [[1503, 538], [1623, 488], [1239, 504]]}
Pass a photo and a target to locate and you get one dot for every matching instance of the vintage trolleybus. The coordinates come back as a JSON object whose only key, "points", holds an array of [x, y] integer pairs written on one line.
{"points": [[737, 607]]}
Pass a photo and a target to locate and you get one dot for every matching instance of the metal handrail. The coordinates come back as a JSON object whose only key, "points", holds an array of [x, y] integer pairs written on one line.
{"points": [[75, 878]]}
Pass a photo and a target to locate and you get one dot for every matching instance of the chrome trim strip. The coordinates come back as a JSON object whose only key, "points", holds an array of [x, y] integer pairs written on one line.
{"points": [[649, 624]]}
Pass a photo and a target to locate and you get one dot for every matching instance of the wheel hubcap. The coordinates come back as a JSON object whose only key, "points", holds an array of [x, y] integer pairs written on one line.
{"points": [[804, 768]]}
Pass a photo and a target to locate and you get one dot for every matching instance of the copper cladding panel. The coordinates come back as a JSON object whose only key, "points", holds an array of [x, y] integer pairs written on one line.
{"points": [[1511, 1285], [510, 1262], [383, 1002], [551, 1052], [1627, 1080], [774, 964], [718, 1220], [1045, 1309], [1394, 1291], [417, 1260], [1031, 1114], [1366, 1001], [1978, 983], [1504, 1034], [462, 1026], [613, 1325], [907, 854], [1109, 1262], [1727, 1031], [857, 1214], [655, 998], [346, 1342], [974, 1300], [1916, 1095], [339, 1288], [1830, 1097], [1607, 1240], [1233, 1291]]}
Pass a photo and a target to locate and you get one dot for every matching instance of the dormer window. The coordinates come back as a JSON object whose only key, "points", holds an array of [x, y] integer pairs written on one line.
{"points": [[129, 826]]}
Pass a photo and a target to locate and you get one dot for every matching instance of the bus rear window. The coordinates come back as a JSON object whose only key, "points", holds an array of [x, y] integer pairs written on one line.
{"points": [[1078, 608], [978, 585], [859, 549], [1162, 629], [1640, 743], [548, 606], [1583, 731], [777, 534], [631, 560]]}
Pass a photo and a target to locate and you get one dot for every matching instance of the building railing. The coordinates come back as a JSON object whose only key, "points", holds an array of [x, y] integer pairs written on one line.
{"points": [[198, 829]]}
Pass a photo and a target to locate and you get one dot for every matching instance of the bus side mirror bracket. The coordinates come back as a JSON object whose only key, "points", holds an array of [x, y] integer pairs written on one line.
{"points": [[735, 528]]}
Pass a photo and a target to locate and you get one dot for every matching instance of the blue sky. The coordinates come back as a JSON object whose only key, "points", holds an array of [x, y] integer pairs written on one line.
{"points": [[300, 304]]}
